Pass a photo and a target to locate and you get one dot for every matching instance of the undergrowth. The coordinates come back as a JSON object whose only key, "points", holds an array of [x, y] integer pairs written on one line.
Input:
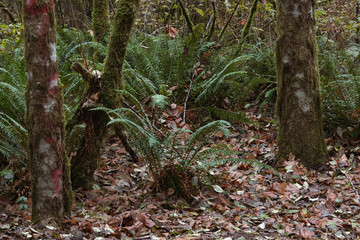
{"points": [[175, 157]]}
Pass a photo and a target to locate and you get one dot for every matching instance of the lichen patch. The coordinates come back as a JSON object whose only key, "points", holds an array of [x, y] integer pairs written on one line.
{"points": [[53, 52], [303, 100], [296, 11], [49, 104]]}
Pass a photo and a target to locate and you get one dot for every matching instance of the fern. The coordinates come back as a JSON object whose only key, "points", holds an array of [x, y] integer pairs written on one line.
{"points": [[340, 84], [155, 61], [171, 157], [13, 135]]}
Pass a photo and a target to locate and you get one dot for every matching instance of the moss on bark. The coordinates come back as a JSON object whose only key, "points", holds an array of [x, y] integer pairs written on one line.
{"points": [[120, 35], [298, 104], [246, 30], [101, 24]]}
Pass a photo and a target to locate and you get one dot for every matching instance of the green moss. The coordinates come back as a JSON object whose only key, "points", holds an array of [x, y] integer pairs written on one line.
{"points": [[250, 18], [120, 35], [100, 23]]}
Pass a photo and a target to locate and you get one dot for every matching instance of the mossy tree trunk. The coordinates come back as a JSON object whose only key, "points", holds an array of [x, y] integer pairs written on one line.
{"points": [[49, 166], [87, 158], [299, 104], [246, 29], [100, 24], [120, 35]]}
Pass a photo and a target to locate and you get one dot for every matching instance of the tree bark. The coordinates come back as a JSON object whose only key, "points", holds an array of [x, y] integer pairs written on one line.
{"points": [[100, 24], [49, 166], [246, 29], [120, 35], [299, 105], [85, 163]]}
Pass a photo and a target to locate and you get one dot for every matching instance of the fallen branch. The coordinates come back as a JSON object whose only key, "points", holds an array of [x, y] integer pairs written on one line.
{"points": [[352, 185]]}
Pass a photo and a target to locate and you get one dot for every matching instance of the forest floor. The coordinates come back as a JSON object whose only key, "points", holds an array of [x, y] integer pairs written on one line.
{"points": [[243, 202]]}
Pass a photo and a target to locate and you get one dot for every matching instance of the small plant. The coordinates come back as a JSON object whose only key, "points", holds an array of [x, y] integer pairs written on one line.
{"points": [[22, 201]]}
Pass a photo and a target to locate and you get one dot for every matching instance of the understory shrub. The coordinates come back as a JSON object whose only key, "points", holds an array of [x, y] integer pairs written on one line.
{"points": [[174, 158]]}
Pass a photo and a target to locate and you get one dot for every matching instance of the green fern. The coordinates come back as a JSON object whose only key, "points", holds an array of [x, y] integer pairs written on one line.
{"points": [[13, 134], [340, 85], [171, 157]]}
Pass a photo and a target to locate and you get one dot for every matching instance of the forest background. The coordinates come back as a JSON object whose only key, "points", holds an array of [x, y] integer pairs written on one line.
{"points": [[180, 74]]}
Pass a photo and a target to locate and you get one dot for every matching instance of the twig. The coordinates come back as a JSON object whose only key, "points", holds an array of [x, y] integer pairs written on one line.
{"points": [[187, 98], [187, 18], [140, 116], [207, 27], [228, 21], [144, 237], [352, 185], [169, 14], [212, 28], [86, 75], [126, 144]]}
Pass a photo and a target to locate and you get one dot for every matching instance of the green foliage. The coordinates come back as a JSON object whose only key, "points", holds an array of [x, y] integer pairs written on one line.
{"points": [[153, 62], [10, 36], [340, 84], [13, 134], [238, 75]]}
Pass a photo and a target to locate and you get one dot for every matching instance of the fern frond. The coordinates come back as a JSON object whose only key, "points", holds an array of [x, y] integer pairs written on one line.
{"points": [[159, 101]]}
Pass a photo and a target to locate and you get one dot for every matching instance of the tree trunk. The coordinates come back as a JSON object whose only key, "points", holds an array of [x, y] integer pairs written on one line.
{"points": [[299, 104], [49, 166], [100, 24], [120, 35], [85, 163]]}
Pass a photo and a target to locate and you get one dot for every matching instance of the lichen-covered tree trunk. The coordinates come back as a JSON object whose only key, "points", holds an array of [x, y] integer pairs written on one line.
{"points": [[100, 24], [84, 165], [49, 166], [299, 104]]}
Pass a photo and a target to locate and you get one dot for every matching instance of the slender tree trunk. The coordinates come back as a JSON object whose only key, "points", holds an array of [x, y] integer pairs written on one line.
{"points": [[299, 104], [100, 24], [246, 29], [87, 159], [49, 166], [120, 35]]}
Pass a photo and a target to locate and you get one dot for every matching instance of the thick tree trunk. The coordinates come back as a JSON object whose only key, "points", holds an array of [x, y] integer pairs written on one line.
{"points": [[49, 166], [299, 104], [85, 163]]}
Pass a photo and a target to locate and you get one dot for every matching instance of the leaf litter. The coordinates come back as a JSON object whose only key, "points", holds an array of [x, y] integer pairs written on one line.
{"points": [[243, 202]]}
